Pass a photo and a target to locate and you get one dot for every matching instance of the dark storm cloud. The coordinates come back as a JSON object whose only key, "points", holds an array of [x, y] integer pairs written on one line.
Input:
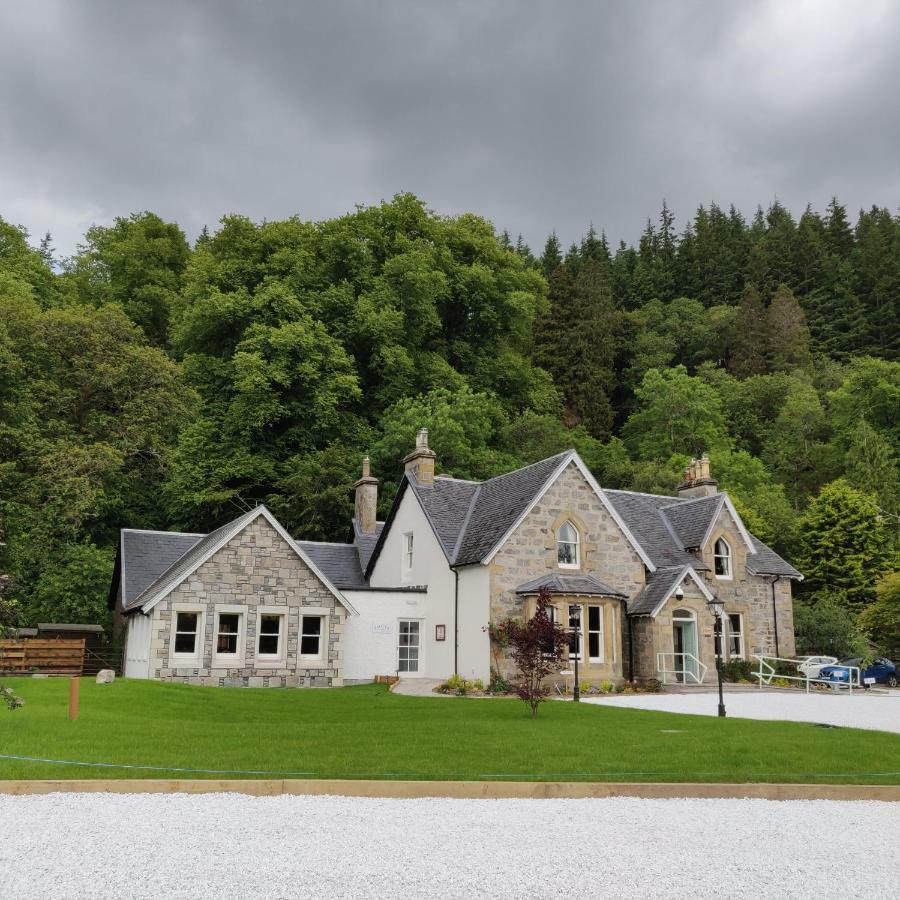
{"points": [[537, 115]]}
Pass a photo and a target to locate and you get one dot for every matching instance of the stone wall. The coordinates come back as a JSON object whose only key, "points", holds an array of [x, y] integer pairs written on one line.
{"points": [[530, 552], [257, 568]]}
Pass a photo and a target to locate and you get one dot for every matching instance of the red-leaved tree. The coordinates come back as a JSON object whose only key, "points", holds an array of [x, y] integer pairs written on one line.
{"points": [[536, 647]]}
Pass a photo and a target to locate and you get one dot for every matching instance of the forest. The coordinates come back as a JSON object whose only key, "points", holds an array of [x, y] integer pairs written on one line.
{"points": [[149, 383]]}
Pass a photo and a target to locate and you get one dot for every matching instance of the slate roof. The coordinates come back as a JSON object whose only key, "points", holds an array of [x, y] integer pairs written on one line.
{"points": [[498, 503], [189, 559], [365, 543], [339, 563], [767, 562], [446, 504], [146, 555], [560, 583], [653, 530], [692, 518], [659, 584]]}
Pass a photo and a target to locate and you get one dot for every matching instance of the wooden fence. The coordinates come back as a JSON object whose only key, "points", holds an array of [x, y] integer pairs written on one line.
{"points": [[64, 656]]}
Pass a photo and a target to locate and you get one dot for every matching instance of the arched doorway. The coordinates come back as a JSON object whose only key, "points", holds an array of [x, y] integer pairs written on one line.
{"points": [[687, 652]]}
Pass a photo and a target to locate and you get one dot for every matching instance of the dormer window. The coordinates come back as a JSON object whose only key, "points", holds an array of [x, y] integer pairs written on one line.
{"points": [[722, 559], [567, 547]]}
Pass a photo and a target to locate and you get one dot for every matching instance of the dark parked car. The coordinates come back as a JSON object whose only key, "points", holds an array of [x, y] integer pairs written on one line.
{"points": [[882, 670]]}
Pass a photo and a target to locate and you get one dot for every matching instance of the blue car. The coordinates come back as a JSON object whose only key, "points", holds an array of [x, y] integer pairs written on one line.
{"points": [[882, 670]]}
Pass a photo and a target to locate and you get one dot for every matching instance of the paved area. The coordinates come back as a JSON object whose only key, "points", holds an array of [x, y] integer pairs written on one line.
{"points": [[418, 687], [877, 711], [100, 846]]}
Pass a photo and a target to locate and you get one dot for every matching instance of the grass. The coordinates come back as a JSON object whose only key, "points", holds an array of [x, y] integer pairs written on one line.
{"points": [[367, 732]]}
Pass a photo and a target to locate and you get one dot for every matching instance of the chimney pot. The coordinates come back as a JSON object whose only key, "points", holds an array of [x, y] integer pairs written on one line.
{"points": [[420, 463], [698, 482]]}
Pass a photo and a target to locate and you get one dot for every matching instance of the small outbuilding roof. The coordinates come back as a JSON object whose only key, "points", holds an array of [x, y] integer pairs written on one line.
{"points": [[561, 583]]}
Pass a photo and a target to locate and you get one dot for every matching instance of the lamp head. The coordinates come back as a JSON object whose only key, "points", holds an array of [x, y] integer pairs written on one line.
{"points": [[716, 607]]}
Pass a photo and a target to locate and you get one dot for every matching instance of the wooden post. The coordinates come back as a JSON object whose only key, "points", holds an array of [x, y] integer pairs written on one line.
{"points": [[74, 683]]}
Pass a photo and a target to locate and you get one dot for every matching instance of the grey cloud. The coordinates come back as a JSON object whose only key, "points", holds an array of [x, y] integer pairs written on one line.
{"points": [[536, 115]]}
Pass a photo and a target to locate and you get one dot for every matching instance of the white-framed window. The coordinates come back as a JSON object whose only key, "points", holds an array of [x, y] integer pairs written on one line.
{"points": [[735, 636], [311, 636], [722, 559], [568, 555], [187, 633], [407, 552], [229, 630], [595, 633], [576, 631], [271, 634], [409, 645]]}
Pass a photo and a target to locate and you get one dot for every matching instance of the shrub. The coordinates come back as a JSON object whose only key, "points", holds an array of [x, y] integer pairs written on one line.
{"points": [[652, 686], [11, 699], [620, 688], [737, 670], [478, 685], [606, 687], [498, 685], [825, 625]]}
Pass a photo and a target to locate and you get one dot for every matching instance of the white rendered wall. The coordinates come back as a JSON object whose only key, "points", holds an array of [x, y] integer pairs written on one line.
{"points": [[137, 646], [430, 567], [474, 615]]}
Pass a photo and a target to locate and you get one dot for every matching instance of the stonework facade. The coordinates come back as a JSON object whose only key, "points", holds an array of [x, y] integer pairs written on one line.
{"points": [[256, 572], [531, 551]]}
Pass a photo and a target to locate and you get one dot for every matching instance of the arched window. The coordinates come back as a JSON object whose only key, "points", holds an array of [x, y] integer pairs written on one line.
{"points": [[567, 546], [722, 558]]}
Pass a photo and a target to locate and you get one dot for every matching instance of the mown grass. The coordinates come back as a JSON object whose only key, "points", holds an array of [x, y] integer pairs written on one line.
{"points": [[367, 732]]}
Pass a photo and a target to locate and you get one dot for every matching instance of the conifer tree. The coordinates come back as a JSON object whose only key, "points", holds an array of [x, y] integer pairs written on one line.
{"points": [[551, 258], [788, 334], [748, 345]]}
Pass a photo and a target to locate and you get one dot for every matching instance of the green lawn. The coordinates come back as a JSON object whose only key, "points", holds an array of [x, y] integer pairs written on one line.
{"points": [[367, 732]]}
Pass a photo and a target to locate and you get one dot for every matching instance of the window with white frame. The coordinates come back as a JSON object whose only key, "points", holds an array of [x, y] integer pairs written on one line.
{"points": [[408, 645], [595, 633], [187, 625], [228, 631], [722, 558], [407, 551], [270, 635], [735, 636], [311, 637], [576, 631], [568, 546]]}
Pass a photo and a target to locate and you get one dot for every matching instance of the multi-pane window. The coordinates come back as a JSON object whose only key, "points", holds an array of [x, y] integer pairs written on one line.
{"points": [[407, 551], [595, 633], [408, 649], [269, 637], [186, 632], [722, 558], [228, 632], [567, 549], [575, 632], [735, 636], [311, 637]]}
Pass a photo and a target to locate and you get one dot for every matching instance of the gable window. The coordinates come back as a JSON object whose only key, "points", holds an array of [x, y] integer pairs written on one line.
{"points": [[269, 635], [311, 637], [722, 558], [567, 547], [227, 634], [735, 636], [595, 633], [186, 632], [407, 551]]}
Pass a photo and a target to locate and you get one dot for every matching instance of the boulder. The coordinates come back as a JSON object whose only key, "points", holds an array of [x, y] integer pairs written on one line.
{"points": [[106, 676]]}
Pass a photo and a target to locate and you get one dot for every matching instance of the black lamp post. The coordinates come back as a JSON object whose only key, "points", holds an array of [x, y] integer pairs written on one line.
{"points": [[717, 608], [576, 690]]}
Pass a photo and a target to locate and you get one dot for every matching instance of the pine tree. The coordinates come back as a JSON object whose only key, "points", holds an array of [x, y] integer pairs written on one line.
{"points": [[748, 345], [838, 233], [551, 258], [788, 334]]}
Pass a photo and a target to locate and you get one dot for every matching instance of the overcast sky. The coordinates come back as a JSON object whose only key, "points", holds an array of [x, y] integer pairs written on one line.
{"points": [[536, 115]]}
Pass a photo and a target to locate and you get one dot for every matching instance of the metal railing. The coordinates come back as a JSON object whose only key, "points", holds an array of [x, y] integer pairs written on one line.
{"points": [[691, 667], [767, 673]]}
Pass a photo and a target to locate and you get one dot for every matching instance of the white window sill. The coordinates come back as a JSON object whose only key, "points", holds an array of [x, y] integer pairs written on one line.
{"points": [[268, 662], [569, 565]]}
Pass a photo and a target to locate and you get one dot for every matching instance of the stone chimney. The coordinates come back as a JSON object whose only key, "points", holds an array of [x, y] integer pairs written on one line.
{"points": [[366, 509], [697, 480], [420, 463]]}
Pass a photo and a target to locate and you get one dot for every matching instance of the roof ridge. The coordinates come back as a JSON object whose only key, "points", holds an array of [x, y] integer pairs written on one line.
{"points": [[324, 543], [530, 465], [644, 494], [154, 531], [687, 501]]}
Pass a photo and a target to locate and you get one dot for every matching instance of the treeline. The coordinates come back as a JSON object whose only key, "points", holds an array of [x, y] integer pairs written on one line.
{"points": [[149, 383]]}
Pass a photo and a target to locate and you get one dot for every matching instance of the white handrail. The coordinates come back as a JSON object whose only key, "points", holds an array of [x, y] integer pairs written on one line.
{"points": [[685, 671], [770, 673]]}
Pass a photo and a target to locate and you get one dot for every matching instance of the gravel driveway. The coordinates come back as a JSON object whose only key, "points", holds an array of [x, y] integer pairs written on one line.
{"points": [[880, 712], [226, 845]]}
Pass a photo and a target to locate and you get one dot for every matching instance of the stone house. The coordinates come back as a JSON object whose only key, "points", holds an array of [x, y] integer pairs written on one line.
{"points": [[630, 576]]}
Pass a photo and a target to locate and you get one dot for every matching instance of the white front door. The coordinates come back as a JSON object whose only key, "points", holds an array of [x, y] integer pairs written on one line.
{"points": [[408, 649]]}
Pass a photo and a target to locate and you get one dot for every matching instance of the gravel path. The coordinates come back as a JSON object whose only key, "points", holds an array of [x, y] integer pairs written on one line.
{"points": [[880, 712], [225, 845]]}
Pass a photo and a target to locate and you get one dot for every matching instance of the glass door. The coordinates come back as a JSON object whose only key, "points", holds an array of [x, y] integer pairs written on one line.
{"points": [[408, 650]]}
